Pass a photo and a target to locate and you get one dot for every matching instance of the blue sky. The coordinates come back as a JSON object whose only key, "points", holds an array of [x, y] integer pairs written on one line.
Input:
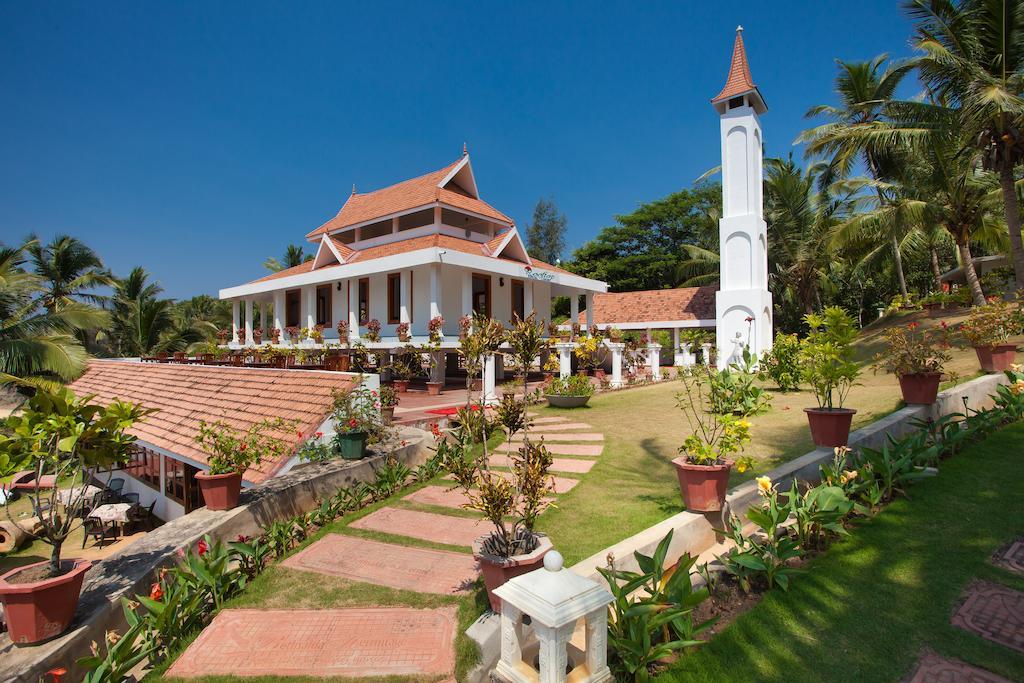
{"points": [[196, 139]]}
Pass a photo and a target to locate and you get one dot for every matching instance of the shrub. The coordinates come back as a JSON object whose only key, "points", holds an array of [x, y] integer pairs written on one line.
{"points": [[826, 356], [231, 450], [767, 555], [715, 437], [733, 391], [913, 352], [573, 385], [781, 364], [992, 324]]}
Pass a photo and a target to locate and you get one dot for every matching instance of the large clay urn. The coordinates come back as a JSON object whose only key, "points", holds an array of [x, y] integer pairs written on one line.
{"points": [[920, 388], [830, 427], [498, 570], [703, 486], [220, 491], [40, 609]]}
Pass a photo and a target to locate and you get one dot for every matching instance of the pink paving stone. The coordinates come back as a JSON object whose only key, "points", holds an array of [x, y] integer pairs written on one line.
{"points": [[438, 495], [586, 450], [562, 484], [565, 427], [554, 436], [995, 613], [397, 641], [557, 464], [386, 564], [1013, 557], [552, 419], [935, 669], [427, 526]]}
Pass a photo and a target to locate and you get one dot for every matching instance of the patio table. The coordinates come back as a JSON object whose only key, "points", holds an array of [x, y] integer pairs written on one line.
{"points": [[65, 496], [112, 513]]}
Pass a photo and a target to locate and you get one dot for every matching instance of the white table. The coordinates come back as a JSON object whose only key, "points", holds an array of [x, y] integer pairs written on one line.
{"points": [[66, 496], [116, 513]]}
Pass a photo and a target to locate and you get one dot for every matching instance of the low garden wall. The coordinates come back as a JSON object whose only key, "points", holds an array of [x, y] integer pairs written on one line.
{"points": [[131, 571]]}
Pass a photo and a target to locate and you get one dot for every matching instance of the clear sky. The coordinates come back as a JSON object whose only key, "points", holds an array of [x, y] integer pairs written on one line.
{"points": [[198, 138]]}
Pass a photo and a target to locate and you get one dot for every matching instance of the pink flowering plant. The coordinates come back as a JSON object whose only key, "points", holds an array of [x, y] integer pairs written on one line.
{"points": [[373, 330], [435, 327], [231, 450], [358, 411], [343, 337], [913, 350], [402, 331]]}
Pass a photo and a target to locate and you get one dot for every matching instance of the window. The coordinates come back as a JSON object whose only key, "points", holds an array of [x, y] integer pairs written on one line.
{"points": [[180, 484], [394, 298], [292, 307], [736, 102], [144, 465], [518, 299], [482, 294], [323, 305], [364, 300]]}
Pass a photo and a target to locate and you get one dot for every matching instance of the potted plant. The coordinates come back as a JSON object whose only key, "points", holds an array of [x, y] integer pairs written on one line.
{"points": [[257, 335], [614, 334], [293, 333], [435, 329], [317, 334], [826, 364], [355, 419], [388, 400], [231, 452], [275, 335], [402, 331], [57, 435], [222, 336], [402, 369], [586, 353], [569, 392], [705, 462], [988, 329], [465, 325], [550, 367], [343, 335], [917, 358], [575, 329], [373, 330]]}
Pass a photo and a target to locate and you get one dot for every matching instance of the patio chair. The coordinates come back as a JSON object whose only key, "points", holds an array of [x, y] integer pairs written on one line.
{"points": [[114, 488], [98, 531], [139, 515], [88, 506], [132, 498]]}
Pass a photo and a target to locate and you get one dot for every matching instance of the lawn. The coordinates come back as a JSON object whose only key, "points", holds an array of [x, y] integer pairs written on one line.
{"points": [[633, 485], [869, 605]]}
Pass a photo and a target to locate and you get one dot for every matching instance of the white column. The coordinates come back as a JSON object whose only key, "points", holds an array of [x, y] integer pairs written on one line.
{"points": [[337, 305], [553, 655], [280, 315], [435, 290], [653, 359], [590, 310], [677, 354], [403, 297], [596, 645], [574, 307], [467, 293], [309, 303], [248, 323], [564, 359], [234, 321], [490, 395], [707, 353], [353, 309], [511, 638], [616, 349], [265, 322], [528, 299]]}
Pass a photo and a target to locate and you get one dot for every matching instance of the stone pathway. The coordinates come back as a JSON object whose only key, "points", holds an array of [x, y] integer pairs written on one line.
{"points": [[395, 641], [994, 612], [381, 641], [932, 668], [1013, 557]]}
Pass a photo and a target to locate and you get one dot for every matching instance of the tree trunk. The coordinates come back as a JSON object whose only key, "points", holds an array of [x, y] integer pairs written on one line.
{"points": [[55, 560], [971, 274], [898, 259], [936, 271], [1012, 209]]}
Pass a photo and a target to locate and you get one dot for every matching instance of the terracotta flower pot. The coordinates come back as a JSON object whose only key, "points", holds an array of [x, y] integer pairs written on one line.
{"points": [[548, 376], [352, 445], [933, 310], [498, 570], [920, 388], [703, 486], [599, 373], [220, 491], [401, 385], [388, 414], [434, 388], [996, 358], [39, 610], [830, 427]]}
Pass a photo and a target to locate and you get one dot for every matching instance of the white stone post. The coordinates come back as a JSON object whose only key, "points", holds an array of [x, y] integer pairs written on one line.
{"points": [[528, 299], [490, 394], [234, 322], [337, 306], [467, 293], [574, 307], [654, 360], [309, 304], [564, 358], [403, 298], [435, 290], [265, 323], [707, 353], [353, 309], [248, 323], [280, 315], [597, 645], [616, 349], [590, 310], [553, 653]]}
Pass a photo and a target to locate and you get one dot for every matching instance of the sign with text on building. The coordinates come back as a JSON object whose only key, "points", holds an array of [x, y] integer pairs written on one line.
{"points": [[541, 275]]}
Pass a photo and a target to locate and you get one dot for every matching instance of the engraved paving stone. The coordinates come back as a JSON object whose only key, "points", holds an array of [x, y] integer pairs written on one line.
{"points": [[427, 526], [561, 436], [1013, 557], [571, 465], [935, 669], [581, 449], [994, 612], [332, 642], [416, 569], [438, 495]]}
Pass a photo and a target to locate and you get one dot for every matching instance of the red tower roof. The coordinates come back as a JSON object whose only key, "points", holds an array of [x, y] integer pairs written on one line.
{"points": [[740, 80]]}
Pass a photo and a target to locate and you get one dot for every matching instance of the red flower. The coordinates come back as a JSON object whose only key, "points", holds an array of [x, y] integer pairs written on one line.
{"points": [[57, 673], [242, 446], [156, 592], [913, 326], [299, 434], [435, 429], [474, 407], [944, 325], [201, 547], [319, 435], [749, 319], [242, 538], [353, 423], [945, 287]]}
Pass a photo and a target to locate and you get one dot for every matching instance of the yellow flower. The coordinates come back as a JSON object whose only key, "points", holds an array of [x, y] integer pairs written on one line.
{"points": [[849, 475], [744, 424], [1016, 367], [741, 467], [764, 486], [1017, 388]]}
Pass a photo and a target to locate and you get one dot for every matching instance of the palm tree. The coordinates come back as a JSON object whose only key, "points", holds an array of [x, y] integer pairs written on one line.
{"points": [[68, 271], [701, 263], [144, 324], [293, 256], [974, 56], [864, 89], [38, 345]]}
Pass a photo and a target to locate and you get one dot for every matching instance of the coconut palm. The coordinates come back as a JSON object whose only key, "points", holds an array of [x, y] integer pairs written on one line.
{"points": [[974, 57], [294, 255], [37, 344], [144, 324], [701, 264], [864, 90], [68, 271]]}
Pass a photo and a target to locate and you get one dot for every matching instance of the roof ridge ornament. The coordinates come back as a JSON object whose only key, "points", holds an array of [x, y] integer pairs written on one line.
{"points": [[353, 188], [465, 150]]}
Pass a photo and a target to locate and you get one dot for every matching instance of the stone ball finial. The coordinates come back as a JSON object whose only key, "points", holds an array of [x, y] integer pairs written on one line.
{"points": [[553, 561]]}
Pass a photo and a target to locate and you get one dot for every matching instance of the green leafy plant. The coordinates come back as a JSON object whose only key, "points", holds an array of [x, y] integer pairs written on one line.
{"points": [[231, 450], [826, 356], [818, 511], [734, 390], [765, 554], [588, 352], [358, 410], [652, 614], [781, 364], [992, 324], [715, 437], [913, 350], [573, 385]]}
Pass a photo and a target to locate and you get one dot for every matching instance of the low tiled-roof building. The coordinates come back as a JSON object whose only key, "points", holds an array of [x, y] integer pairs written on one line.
{"points": [[164, 465]]}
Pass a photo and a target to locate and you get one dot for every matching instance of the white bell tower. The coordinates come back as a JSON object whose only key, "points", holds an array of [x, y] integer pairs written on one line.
{"points": [[743, 304]]}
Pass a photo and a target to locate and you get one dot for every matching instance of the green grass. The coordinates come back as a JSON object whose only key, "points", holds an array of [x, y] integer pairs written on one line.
{"points": [[869, 605]]}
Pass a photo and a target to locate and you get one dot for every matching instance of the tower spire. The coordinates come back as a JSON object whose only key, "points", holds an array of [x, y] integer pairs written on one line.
{"points": [[740, 82], [465, 149]]}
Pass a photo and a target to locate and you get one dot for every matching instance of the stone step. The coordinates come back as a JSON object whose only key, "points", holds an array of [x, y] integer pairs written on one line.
{"points": [[562, 484], [441, 496], [564, 426], [586, 450], [426, 526], [570, 465], [547, 420], [555, 436], [385, 564], [328, 643]]}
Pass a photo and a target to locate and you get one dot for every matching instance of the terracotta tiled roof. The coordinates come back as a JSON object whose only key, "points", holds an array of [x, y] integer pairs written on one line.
{"points": [[493, 245], [240, 397], [739, 80], [403, 247], [408, 194], [343, 249], [654, 305]]}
